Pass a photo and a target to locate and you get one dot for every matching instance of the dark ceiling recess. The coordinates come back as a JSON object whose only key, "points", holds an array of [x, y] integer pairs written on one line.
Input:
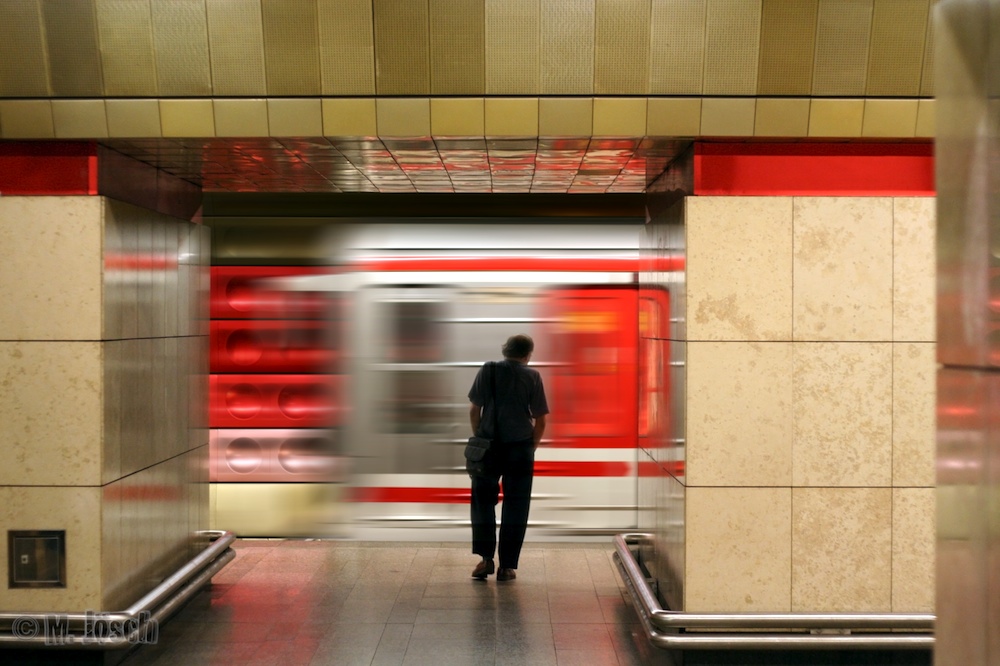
{"points": [[571, 208]]}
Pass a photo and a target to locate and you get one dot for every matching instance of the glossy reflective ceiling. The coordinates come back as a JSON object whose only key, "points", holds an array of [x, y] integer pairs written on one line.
{"points": [[421, 164]]}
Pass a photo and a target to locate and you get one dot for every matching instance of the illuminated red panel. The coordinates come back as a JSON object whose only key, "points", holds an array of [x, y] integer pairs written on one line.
{"points": [[820, 169], [275, 401], [596, 345], [48, 168], [242, 292], [291, 346]]}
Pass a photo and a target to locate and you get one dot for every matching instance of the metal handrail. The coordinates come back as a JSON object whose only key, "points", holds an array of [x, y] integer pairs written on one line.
{"points": [[159, 603], [664, 627]]}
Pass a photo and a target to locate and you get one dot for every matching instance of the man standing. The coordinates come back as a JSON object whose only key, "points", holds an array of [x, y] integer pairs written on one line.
{"points": [[520, 409]]}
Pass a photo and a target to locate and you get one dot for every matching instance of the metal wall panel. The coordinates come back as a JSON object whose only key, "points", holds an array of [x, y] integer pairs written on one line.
{"points": [[457, 46], [346, 47], [787, 44], [180, 41], [732, 38], [677, 47], [621, 47], [74, 57], [927, 75], [512, 36], [402, 47], [22, 51], [843, 35], [291, 51], [567, 47], [899, 28], [125, 29], [236, 45]]}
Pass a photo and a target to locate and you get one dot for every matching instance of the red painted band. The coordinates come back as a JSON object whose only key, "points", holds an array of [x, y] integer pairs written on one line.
{"points": [[814, 169]]}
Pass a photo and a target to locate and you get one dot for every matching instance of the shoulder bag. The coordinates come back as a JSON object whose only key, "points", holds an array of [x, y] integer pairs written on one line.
{"points": [[478, 447]]}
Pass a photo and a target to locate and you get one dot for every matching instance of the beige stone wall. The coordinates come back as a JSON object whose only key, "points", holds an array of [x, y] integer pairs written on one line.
{"points": [[808, 404], [102, 340]]}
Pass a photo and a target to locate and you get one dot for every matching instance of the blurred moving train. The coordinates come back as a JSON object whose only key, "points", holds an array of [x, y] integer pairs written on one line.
{"points": [[338, 393]]}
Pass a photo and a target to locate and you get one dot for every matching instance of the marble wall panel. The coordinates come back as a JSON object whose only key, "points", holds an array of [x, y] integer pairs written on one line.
{"points": [[739, 556], [842, 414], [77, 510], [740, 395], [843, 268], [913, 414], [841, 549], [914, 299], [52, 252], [913, 529], [739, 268], [52, 413]]}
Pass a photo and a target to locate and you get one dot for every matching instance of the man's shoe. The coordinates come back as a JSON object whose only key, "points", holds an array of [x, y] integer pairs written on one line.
{"points": [[483, 569], [506, 574]]}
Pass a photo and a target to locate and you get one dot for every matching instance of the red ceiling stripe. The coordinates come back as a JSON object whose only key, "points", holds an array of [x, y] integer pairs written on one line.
{"points": [[814, 169], [48, 168]]}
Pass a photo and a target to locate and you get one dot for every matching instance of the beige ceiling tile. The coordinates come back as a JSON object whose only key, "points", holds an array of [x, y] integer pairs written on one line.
{"points": [[620, 116], [240, 117], [294, 117], [782, 117], [129, 118], [727, 116], [836, 117], [458, 116], [512, 116], [565, 116], [26, 119], [79, 119], [679, 116], [925, 118], [403, 117], [349, 117], [890, 118], [187, 117]]}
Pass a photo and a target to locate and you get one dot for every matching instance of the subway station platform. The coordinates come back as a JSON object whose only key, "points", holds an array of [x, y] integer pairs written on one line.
{"points": [[290, 602]]}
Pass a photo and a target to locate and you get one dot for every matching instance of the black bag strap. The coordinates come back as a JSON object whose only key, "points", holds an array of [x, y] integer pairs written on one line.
{"points": [[496, 408]]}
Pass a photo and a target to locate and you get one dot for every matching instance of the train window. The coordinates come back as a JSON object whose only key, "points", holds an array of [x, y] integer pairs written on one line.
{"points": [[414, 330], [415, 403]]}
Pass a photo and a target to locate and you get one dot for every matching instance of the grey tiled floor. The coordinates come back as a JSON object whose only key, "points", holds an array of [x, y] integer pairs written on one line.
{"points": [[293, 602]]}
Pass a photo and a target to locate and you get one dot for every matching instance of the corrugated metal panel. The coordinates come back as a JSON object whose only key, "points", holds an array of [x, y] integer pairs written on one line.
{"points": [[677, 47], [512, 36], [22, 51], [457, 47], [621, 47], [732, 38], [402, 47], [843, 35], [787, 44], [927, 76], [898, 31], [74, 58], [346, 47], [180, 40], [567, 47], [125, 30], [236, 46], [291, 52]]}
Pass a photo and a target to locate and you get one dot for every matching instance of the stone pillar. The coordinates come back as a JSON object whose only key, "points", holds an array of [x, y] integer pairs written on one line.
{"points": [[801, 404], [103, 357]]}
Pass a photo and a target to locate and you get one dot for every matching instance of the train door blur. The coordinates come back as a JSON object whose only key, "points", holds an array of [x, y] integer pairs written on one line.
{"points": [[593, 396]]}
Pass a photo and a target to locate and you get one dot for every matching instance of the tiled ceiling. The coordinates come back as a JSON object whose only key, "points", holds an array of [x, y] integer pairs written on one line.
{"points": [[423, 164]]}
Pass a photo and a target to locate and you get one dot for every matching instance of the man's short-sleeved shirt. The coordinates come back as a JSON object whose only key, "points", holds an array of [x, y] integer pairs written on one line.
{"points": [[520, 398]]}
